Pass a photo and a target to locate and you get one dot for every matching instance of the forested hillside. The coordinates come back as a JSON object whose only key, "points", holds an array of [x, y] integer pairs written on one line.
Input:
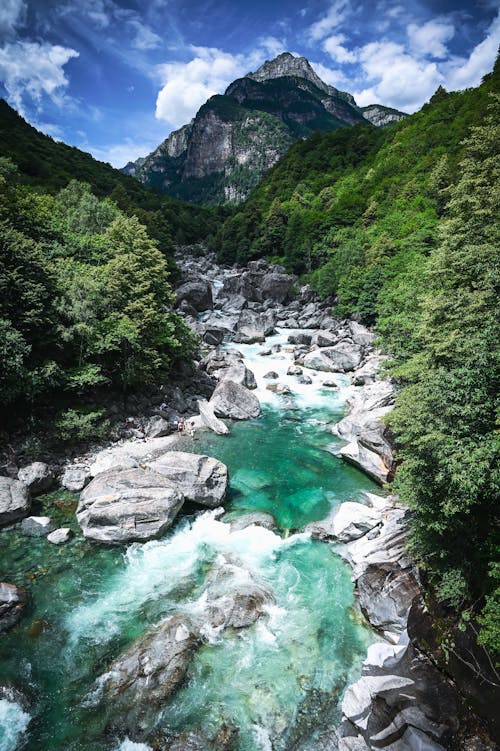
{"points": [[400, 225]]}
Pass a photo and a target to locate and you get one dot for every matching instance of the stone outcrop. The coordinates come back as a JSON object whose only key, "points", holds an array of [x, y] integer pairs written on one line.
{"points": [[15, 500], [199, 478], [197, 294], [37, 476], [121, 506], [234, 401]]}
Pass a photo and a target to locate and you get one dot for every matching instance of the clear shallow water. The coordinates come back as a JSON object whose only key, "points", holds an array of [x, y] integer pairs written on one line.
{"points": [[276, 680]]}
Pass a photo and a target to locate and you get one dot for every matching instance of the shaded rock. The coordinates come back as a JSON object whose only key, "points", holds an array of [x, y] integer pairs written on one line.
{"points": [[388, 546], [213, 336], [359, 697], [209, 419], [157, 426], [364, 458], [360, 334], [128, 505], [15, 500], [259, 518], [386, 593], [37, 476], [324, 339], [294, 370], [235, 401], [346, 522], [60, 536], [37, 526], [75, 478], [140, 681], [300, 338], [271, 374], [329, 385], [197, 477], [275, 286], [197, 294], [305, 380], [12, 604], [238, 373]]}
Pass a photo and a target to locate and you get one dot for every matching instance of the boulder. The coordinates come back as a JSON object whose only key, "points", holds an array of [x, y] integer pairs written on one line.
{"points": [[271, 375], [359, 696], [157, 426], [141, 680], [209, 419], [345, 356], [60, 536], [258, 518], [12, 604], [234, 599], [37, 526], [318, 360], [275, 286], [254, 327], [196, 740], [367, 460], [360, 334], [197, 294], [15, 500], [238, 373], [235, 401], [121, 506], [305, 380], [300, 338], [346, 522], [37, 476], [294, 370], [131, 454], [386, 593], [197, 477], [324, 339], [75, 477]]}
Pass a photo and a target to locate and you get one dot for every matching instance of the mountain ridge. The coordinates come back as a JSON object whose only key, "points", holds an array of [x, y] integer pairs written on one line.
{"points": [[236, 137]]}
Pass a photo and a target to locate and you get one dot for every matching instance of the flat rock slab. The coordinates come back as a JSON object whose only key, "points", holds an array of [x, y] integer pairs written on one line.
{"points": [[121, 506], [131, 454], [15, 500], [199, 478]]}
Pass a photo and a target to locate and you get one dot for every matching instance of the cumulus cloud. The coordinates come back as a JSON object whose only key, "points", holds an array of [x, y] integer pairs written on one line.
{"points": [[119, 154], [334, 45], [465, 73], [12, 15], [430, 39], [337, 13], [329, 75], [186, 86], [35, 69]]}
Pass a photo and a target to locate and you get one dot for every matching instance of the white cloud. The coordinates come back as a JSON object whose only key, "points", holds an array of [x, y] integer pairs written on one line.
{"points": [[334, 45], [395, 78], [430, 39], [119, 154], [145, 39], [335, 16], [12, 15], [186, 86], [36, 69], [465, 73], [328, 75]]}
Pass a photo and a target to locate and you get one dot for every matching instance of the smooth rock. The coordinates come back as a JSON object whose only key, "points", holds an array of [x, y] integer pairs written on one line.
{"points": [[238, 373], [37, 476], [318, 360], [140, 681], [198, 294], [386, 593], [157, 426], [271, 374], [199, 478], [345, 356], [12, 603], [121, 506], [131, 454], [75, 478], [324, 339], [346, 522], [15, 500], [294, 370], [209, 418], [235, 401], [37, 526], [359, 696], [257, 518], [60, 536]]}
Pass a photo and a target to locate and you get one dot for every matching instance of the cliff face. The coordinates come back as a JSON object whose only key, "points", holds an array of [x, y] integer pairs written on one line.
{"points": [[379, 115], [236, 137]]}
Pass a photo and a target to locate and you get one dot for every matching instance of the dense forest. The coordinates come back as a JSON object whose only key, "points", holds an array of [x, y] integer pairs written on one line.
{"points": [[401, 226]]}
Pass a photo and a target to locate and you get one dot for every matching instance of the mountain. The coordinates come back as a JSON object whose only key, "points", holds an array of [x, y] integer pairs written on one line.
{"points": [[222, 154], [52, 165]]}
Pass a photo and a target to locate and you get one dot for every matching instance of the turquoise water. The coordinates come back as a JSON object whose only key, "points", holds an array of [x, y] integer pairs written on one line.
{"points": [[276, 680]]}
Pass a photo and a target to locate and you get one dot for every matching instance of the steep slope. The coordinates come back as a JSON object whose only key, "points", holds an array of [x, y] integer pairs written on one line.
{"points": [[52, 164], [236, 137]]}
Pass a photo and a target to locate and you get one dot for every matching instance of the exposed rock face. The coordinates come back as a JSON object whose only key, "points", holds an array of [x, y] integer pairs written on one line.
{"points": [[12, 603], [379, 115], [209, 418], [37, 476], [386, 592], [235, 138], [346, 522], [197, 477], [15, 501], [121, 506], [141, 680], [235, 401]]}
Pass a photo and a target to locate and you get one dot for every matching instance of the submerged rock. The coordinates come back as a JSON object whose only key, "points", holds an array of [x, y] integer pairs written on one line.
{"points": [[60, 536], [197, 740], [15, 500], [128, 505], [12, 604], [140, 681], [37, 526], [259, 518], [235, 401], [233, 598], [197, 477]]}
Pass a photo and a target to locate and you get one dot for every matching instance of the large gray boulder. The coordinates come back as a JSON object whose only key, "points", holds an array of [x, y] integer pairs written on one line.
{"points": [[319, 360], [121, 506], [238, 373], [37, 476], [386, 593], [75, 477], [235, 401], [141, 680], [275, 286], [15, 500], [198, 294], [254, 327], [37, 526], [345, 356], [197, 477], [360, 334], [12, 604]]}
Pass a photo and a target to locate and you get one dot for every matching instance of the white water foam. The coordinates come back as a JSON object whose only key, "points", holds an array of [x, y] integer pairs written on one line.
{"points": [[14, 723], [128, 745]]}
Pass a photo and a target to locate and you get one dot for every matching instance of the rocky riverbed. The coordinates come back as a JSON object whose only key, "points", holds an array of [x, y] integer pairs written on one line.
{"points": [[270, 349]]}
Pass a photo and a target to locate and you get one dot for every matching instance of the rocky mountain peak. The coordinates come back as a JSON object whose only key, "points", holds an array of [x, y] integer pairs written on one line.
{"points": [[287, 64]]}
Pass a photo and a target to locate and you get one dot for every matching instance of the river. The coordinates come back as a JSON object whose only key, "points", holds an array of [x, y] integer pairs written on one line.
{"points": [[278, 681]]}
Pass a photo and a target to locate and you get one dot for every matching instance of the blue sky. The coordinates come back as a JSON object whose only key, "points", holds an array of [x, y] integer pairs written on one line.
{"points": [[115, 77]]}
